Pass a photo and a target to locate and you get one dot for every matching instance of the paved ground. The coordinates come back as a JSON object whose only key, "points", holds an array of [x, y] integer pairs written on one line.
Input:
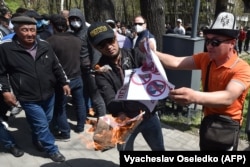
{"points": [[77, 153]]}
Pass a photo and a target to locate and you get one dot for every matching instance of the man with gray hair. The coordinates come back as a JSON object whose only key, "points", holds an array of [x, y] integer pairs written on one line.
{"points": [[33, 71]]}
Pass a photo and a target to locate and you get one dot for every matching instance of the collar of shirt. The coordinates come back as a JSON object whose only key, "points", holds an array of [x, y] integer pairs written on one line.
{"points": [[32, 50]]}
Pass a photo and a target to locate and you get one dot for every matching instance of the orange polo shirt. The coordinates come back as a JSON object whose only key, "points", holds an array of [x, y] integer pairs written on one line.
{"points": [[234, 69]]}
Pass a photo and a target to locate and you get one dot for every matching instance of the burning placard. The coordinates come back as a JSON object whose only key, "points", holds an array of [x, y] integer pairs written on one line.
{"points": [[111, 131]]}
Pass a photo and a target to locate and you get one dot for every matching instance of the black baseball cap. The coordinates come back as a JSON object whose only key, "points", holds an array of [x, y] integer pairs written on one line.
{"points": [[99, 31]]}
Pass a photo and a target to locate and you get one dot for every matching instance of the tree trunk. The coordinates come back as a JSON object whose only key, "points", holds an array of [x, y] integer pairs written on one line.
{"points": [[125, 11], [153, 11], [50, 6], [96, 10], [78, 4], [62, 5], [133, 8], [221, 6], [2, 4], [246, 6]]}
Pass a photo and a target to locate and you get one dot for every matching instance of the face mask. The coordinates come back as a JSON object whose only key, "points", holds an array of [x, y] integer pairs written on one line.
{"points": [[138, 28], [39, 23], [45, 22], [11, 26], [76, 24]]}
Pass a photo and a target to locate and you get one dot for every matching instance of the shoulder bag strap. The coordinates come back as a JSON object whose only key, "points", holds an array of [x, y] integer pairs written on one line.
{"points": [[206, 83], [207, 77]]}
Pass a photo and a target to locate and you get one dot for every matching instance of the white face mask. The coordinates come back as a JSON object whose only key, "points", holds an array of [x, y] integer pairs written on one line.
{"points": [[11, 26], [45, 22], [138, 28], [76, 24]]}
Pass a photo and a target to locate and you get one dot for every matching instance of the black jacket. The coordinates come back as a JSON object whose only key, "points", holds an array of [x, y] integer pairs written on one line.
{"points": [[88, 54], [110, 82], [67, 48], [31, 80]]}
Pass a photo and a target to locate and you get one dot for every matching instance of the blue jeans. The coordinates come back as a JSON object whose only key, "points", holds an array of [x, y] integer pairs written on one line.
{"points": [[151, 132], [39, 115], [5, 137], [60, 115], [4, 108]]}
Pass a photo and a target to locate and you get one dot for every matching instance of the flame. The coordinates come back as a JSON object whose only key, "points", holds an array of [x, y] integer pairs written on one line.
{"points": [[89, 143], [91, 112], [93, 124], [109, 131]]}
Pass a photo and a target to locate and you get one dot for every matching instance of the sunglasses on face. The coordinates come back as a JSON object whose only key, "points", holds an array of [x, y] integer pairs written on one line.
{"points": [[215, 42], [138, 24], [106, 42]]}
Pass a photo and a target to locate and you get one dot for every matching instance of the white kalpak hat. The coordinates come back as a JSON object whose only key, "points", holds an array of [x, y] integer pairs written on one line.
{"points": [[225, 24]]}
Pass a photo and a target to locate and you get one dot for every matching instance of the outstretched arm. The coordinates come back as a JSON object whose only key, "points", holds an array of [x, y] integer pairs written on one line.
{"points": [[185, 96], [174, 62]]}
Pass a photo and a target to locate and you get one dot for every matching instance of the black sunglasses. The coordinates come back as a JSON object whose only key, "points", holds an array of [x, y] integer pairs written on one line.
{"points": [[138, 24], [105, 42], [215, 42]]}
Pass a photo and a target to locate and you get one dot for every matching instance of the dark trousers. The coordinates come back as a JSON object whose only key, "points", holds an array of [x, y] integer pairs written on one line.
{"points": [[151, 131], [91, 90], [246, 44], [60, 116], [240, 45]]}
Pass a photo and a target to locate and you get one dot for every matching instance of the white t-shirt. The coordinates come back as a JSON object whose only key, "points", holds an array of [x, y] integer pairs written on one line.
{"points": [[180, 30]]}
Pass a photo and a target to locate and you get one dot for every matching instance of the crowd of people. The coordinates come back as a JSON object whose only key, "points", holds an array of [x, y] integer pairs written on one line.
{"points": [[242, 40], [44, 60], [55, 60], [181, 29]]}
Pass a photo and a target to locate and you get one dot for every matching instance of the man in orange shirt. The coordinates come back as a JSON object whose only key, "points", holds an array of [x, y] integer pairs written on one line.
{"points": [[225, 81]]}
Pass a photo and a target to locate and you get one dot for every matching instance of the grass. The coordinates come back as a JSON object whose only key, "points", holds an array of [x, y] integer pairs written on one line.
{"points": [[188, 119], [179, 117]]}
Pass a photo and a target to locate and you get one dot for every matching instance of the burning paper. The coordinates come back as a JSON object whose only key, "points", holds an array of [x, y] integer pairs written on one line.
{"points": [[111, 131]]}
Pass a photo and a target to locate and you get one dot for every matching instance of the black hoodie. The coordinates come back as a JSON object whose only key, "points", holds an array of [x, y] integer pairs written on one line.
{"points": [[89, 55]]}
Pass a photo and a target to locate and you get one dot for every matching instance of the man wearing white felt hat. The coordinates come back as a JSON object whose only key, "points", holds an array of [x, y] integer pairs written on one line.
{"points": [[225, 81]]}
